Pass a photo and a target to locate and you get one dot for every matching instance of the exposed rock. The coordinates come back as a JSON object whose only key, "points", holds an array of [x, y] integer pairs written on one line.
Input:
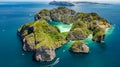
{"points": [[76, 34], [61, 3], [99, 35], [45, 14], [29, 43], [61, 14], [79, 47], [43, 54], [43, 38]]}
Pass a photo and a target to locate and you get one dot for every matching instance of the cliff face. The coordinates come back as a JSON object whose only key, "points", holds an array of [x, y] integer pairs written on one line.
{"points": [[85, 24], [37, 34], [79, 47], [43, 54], [62, 14], [43, 38]]}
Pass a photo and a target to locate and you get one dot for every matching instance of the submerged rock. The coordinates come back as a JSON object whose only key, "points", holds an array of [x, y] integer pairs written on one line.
{"points": [[79, 47]]}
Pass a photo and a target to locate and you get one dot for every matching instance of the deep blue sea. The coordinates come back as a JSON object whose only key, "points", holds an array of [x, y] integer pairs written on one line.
{"points": [[15, 14]]}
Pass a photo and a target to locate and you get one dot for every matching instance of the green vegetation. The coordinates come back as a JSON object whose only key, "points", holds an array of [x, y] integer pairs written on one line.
{"points": [[43, 38], [47, 35], [79, 47], [98, 33], [44, 34]]}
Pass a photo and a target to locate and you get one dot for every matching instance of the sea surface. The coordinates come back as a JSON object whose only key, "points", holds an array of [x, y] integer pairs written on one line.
{"points": [[15, 14]]}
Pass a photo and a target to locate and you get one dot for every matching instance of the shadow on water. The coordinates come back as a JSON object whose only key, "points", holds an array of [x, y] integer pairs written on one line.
{"points": [[79, 55], [102, 45]]}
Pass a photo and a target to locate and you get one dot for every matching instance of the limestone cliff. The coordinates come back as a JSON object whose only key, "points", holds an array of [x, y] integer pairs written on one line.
{"points": [[43, 38], [39, 34], [79, 47], [62, 14]]}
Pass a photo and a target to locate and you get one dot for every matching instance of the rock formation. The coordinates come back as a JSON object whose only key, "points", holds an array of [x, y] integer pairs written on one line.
{"points": [[42, 38], [62, 14], [79, 47]]}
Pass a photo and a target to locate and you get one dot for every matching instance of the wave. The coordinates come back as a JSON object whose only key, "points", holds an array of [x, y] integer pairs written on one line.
{"points": [[109, 30]]}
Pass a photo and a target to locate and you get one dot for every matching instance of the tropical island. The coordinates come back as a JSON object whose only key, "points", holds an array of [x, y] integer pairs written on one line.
{"points": [[61, 3], [43, 39]]}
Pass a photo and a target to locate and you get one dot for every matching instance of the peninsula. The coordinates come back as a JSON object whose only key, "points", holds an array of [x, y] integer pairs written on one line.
{"points": [[43, 39]]}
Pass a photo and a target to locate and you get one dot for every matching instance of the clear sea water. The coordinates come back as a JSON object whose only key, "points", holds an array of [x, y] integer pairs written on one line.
{"points": [[13, 15]]}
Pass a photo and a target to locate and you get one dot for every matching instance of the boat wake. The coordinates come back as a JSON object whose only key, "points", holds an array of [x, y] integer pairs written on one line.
{"points": [[56, 61]]}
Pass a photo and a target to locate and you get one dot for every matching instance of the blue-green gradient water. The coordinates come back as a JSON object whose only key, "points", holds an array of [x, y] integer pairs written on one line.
{"points": [[13, 15]]}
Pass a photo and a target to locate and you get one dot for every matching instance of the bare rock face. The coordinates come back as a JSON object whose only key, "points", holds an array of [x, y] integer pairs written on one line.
{"points": [[100, 38], [43, 54], [29, 43], [61, 14], [42, 38], [79, 47], [76, 34]]}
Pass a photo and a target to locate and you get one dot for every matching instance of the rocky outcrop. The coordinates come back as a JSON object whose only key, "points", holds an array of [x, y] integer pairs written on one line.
{"points": [[45, 14], [61, 3], [29, 43], [79, 47], [77, 34], [44, 54], [61, 14], [79, 31], [85, 24], [99, 35], [42, 38]]}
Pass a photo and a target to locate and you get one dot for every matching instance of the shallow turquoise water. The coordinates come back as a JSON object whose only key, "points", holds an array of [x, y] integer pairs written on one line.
{"points": [[13, 15], [61, 26]]}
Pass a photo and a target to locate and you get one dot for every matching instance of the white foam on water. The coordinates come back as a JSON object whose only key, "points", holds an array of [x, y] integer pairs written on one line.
{"points": [[88, 40], [109, 31]]}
